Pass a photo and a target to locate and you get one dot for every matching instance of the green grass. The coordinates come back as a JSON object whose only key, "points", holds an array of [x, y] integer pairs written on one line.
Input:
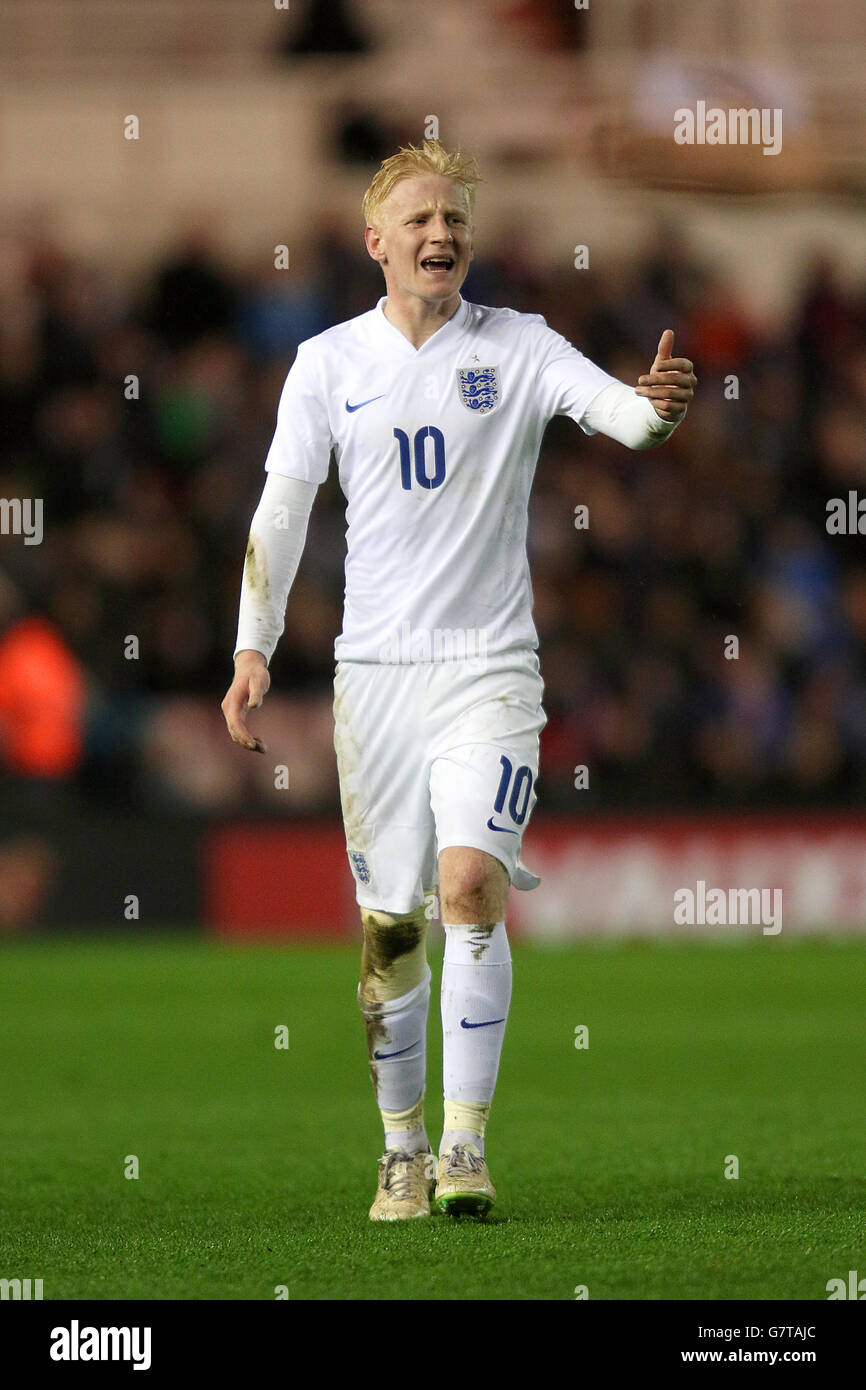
{"points": [[257, 1166]]}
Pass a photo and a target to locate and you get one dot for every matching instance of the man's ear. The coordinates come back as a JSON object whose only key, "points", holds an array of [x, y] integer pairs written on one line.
{"points": [[373, 242]]}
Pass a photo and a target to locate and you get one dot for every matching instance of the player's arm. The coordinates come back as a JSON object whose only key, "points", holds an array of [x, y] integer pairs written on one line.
{"points": [[645, 415], [276, 541], [296, 464]]}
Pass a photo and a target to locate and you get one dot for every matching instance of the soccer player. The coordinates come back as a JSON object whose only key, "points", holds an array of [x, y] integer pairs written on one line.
{"points": [[434, 409]]}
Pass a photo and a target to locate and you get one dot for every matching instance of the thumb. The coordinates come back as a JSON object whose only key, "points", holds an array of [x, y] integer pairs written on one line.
{"points": [[666, 346], [257, 692]]}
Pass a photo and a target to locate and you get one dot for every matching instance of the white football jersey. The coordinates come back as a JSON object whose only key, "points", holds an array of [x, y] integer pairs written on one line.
{"points": [[436, 448]]}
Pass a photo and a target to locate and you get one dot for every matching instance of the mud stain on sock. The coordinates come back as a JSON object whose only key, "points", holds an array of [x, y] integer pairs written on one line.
{"points": [[479, 941], [383, 945]]}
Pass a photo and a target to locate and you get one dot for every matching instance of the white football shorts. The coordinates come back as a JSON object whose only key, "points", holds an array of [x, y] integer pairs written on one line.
{"points": [[430, 755]]}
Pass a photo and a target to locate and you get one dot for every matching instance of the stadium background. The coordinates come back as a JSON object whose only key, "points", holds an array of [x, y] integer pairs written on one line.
{"points": [[154, 257]]}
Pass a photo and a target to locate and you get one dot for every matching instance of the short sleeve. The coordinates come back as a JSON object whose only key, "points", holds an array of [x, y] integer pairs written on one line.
{"points": [[567, 381], [301, 446]]}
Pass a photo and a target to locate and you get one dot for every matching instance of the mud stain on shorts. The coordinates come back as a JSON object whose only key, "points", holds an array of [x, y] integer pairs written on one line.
{"points": [[350, 764]]}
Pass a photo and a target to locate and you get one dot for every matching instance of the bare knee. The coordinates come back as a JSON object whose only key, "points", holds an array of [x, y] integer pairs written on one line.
{"points": [[473, 886]]}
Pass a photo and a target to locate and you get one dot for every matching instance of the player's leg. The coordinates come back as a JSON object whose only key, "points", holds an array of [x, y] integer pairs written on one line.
{"points": [[476, 989], [482, 792], [394, 998], [380, 783], [476, 994]]}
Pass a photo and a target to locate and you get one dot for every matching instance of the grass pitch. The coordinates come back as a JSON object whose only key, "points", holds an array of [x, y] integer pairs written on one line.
{"points": [[257, 1165]]}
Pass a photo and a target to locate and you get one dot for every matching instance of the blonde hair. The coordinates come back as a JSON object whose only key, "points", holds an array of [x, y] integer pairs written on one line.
{"points": [[430, 158]]}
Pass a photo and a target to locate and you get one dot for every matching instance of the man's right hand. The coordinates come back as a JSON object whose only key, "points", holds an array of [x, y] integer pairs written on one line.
{"points": [[250, 685]]}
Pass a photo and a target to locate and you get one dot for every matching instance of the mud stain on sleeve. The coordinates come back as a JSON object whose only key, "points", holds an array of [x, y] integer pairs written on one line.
{"points": [[256, 569]]}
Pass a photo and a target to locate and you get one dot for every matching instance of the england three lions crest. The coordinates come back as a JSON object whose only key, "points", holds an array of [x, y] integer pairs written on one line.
{"points": [[479, 388]]}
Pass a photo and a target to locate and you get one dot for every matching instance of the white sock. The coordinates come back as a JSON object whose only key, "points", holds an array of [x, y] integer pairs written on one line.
{"points": [[397, 1048], [476, 993], [405, 1129]]}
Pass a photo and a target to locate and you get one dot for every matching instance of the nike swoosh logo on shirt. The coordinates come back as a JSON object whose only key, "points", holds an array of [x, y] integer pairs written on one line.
{"points": [[504, 828], [464, 1023], [350, 408], [380, 1056]]}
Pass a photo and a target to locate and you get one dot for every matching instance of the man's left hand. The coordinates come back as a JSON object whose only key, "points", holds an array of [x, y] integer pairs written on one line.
{"points": [[671, 382]]}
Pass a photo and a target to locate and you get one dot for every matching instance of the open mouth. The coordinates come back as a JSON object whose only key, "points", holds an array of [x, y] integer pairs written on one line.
{"points": [[438, 265]]}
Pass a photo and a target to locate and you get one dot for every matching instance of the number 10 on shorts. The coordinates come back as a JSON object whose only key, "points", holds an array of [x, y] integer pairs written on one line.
{"points": [[520, 784]]}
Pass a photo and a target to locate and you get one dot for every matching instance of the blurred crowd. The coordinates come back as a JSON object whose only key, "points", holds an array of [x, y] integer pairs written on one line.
{"points": [[141, 413]]}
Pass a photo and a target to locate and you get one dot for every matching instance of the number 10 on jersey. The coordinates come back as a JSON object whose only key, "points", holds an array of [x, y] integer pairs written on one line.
{"points": [[421, 453]]}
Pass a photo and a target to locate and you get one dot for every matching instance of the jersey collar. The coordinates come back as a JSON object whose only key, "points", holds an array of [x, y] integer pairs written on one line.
{"points": [[386, 329]]}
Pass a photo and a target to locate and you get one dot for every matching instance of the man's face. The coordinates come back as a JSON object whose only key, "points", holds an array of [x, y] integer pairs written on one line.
{"points": [[423, 238]]}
